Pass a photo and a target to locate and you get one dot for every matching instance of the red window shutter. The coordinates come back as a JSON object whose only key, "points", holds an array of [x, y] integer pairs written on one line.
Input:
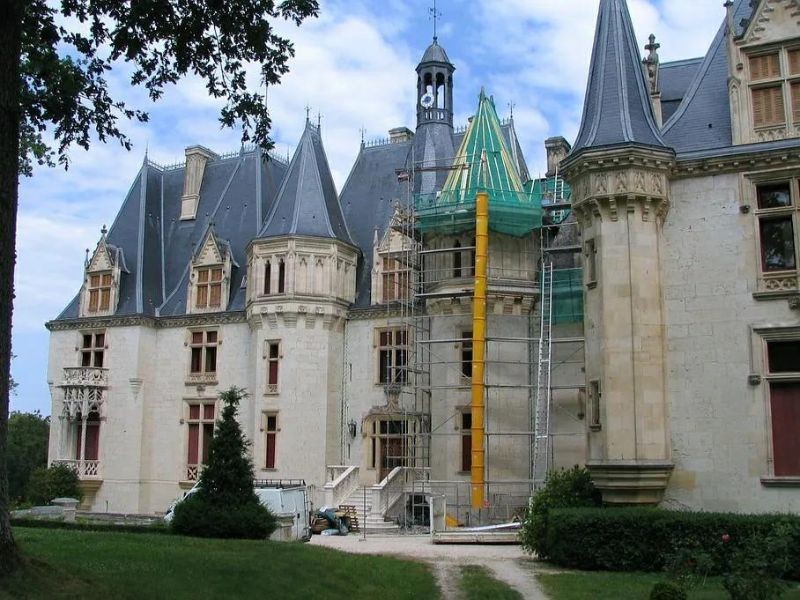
{"points": [[208, 412], [785, 403], [197, 355], [194, 437], [466, 441], [92, 440], [271, 450], [194, 411], [273, 372]]}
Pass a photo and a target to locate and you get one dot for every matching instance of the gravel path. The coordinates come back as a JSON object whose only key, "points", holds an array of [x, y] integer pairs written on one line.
{"points": [[507, 563]]}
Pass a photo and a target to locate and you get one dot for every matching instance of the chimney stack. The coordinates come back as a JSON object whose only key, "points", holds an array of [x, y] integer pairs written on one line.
{"points": [[196, 159], [557, 150]]}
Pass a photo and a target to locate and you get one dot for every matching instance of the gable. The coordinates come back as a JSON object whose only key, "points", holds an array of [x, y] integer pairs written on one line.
{"points": [[101, 260], [773, 21]]}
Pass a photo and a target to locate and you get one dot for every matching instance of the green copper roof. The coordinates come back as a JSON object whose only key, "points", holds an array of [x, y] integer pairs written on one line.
{"points": [[483, 163]]}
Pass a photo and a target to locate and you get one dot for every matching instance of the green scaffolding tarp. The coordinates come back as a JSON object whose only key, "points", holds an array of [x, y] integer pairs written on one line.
{"points": [[567, 296], [483, 163]]}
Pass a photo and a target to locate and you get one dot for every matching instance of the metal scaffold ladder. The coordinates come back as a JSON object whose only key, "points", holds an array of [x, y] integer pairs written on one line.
{"points": [[542, 451]]}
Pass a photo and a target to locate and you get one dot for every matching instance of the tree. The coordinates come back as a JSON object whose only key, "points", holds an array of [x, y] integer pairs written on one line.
{"points": [[226, 505], [54, 56], [28, 434]]}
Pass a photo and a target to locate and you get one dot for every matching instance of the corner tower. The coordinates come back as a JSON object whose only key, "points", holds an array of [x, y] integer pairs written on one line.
{"points": [[433, 142], [618, 170]]}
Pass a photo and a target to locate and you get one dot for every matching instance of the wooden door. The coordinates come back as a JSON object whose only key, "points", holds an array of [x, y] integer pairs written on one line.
{"points": [[785, 404]]}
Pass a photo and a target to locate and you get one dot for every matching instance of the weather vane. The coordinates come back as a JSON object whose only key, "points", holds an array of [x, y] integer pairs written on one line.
{"points": [[434, 14]]}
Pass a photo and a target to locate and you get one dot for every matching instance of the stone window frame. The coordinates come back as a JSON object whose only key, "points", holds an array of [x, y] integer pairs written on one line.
{"points": [[464, 413], [393, 348], [788, 79], [202, 376], [93, 349], [465, 351], [191, 472], [773, 284], [208, 284], [760, 375], [594, 398], [590, 253], [272, 389]]}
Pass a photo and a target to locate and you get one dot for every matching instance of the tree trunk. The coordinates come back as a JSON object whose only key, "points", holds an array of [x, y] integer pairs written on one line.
{"points": [[10, 88]]}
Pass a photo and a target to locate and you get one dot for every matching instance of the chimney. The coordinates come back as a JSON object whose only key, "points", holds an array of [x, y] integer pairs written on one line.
{"points": [[398, 135], [557, 150], [196, 159]]}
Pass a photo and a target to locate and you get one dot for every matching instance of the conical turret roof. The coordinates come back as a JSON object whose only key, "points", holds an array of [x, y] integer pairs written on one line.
{"points": [[307, 203], [617, 108], [435, 53]]}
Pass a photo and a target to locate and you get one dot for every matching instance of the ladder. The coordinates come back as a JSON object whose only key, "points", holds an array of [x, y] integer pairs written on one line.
{"points": [[541, 450]]}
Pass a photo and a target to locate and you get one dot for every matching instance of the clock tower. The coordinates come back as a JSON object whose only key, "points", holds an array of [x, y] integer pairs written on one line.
{"points": [[433, 141]]}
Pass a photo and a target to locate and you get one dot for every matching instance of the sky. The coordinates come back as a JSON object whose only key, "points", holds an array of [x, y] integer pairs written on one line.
{"points": [[354, 66]]}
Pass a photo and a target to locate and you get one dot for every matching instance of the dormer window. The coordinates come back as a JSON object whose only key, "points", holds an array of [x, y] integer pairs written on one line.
{"points": [[775, 87], [99, 292], [209, 288]]}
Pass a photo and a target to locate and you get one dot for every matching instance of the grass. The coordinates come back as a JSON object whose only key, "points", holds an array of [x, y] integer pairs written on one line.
{"points": [[73, 564], [602, 585], [477, 584]]}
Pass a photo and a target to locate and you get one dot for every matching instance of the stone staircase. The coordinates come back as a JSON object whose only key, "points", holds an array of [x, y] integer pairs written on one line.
{"points": [[372, 523]]}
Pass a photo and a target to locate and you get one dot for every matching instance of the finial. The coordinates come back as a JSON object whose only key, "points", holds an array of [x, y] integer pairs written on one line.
{"points": [[103, 230], [308, 113], [86, 260], [434, 14], [363, 132], [651, 63], [511, 106], [319, 121]]}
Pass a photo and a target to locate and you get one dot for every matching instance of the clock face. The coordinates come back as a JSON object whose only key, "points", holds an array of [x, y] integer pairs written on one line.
{"points": [[426, 100]]}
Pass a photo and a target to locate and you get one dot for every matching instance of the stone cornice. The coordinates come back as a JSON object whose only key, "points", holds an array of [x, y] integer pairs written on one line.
{"points": [[200, 320], [617, 157], [749, 159]]}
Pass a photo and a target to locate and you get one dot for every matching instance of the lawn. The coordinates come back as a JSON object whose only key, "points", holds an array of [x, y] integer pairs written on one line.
{"points": [[477, 584], [580, 585], [73, 564]]}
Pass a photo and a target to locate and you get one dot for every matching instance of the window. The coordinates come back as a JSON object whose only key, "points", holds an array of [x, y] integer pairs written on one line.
{"points": [[209, 288], [777, 225], [591, 262], [273, 363], [472, 259], [91, 451], [595, 394], [281, 277], [201, 431], [466, 441], [392, 356], [204, 353], [268, 278], [271, 431], [775, 86], [466, 353], [783, 361], [92, 349], [396, 280], [99, 292], [457, 272]]}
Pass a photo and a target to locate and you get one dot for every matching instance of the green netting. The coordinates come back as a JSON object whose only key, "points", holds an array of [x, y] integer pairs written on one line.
{"points": [[567, 296], [483, 163], [551, 190]]}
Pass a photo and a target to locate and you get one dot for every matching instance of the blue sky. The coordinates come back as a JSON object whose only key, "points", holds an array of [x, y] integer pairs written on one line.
{"points": [[355, 66]]}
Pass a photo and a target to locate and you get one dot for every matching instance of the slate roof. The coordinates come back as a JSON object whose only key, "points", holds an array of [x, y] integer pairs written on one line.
{"points": [[617, 107], [435, 53], [674, 79], [307, 203], [235, 194]]}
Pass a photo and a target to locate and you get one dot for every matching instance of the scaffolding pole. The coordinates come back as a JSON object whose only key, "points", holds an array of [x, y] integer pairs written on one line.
{"points": [[479, 346]]}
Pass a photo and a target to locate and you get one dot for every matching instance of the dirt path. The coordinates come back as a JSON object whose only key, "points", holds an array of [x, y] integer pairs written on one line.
{"points": [[507, 563]]}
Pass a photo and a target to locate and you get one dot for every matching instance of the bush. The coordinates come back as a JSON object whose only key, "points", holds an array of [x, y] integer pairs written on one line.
{"points": [[225, 504], [756, 568], [90, 526], [644, 539], [58, 481], [563, 489], [197, 517], [667, 591]]}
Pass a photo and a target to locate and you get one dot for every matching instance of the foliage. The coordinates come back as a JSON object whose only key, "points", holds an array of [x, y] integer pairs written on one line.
{"points": [[122, 565], [12, 391], [69, 47], [478, 584], [756, 568], [80, 525], [563, 489], [642, 539], [226, 505], [665, 590], [688, 567], [28, 435], [57, 481]]}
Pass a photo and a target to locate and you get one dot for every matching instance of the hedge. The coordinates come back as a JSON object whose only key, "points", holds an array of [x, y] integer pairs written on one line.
{"points": [[642, 539], [90, 526]]}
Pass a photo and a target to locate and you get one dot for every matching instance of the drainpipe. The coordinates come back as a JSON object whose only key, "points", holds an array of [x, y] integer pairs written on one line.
{"points": [[479, 346]]}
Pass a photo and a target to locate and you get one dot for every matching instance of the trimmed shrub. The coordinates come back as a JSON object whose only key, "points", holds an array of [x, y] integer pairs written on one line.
{"points": [[644, 539], [667, 591], [84, 526], [197, 517], [563, 489], [58, 481]]}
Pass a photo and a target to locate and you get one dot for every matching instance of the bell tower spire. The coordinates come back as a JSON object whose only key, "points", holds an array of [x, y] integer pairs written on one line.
{"points": [[435, 86]]}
